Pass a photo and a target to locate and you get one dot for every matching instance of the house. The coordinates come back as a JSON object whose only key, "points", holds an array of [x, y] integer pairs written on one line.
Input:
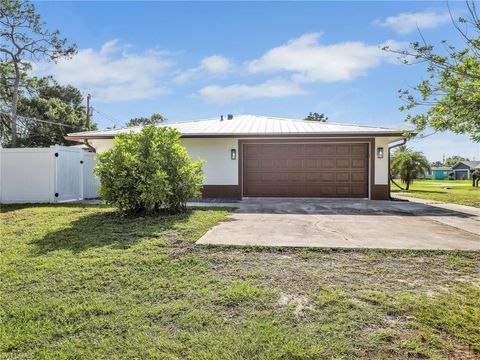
{"points": [[463, 170], [261, 156], [439, 173]]}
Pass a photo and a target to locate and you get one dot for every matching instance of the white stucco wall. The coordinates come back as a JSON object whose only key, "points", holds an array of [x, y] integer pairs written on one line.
{"points": [[101, 145], [218, 167], [381, 165], [221, 170]]}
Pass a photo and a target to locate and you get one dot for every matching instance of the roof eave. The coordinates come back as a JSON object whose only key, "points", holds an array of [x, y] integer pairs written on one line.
{"points": [[210, 135]]}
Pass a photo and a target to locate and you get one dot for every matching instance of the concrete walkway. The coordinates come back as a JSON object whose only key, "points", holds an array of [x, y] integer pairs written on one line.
{"points": [[343, 223]]}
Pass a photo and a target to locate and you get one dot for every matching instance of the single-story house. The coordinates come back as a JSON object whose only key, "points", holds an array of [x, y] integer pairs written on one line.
{"points": [[261, 156], [439, 173], [463, 170]]}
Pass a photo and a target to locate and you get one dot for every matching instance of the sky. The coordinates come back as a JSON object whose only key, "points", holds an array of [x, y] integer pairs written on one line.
{"points": [[194, 60]]}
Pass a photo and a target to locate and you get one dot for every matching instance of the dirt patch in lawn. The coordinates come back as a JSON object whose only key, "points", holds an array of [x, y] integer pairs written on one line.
{"points": [[79, 282]]}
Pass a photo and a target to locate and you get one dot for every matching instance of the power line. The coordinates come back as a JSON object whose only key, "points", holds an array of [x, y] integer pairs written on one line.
{"points": [[42, 121], [421, 137], [110, 118]]}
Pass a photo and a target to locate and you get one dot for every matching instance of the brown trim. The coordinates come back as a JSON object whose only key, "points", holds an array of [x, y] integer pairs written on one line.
{"points": [[371, 149], [286, 140], [380, 192], [89, 146], [81, 138], [221, 191]]}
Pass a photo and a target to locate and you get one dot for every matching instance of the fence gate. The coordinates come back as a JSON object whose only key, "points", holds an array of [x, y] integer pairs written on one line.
{"points": [[55, 174], [68, 174], [90, 182]]}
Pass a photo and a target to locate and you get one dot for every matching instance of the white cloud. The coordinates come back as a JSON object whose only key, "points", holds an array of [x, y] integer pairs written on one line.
{"points": [[405, 23], [211, 65], [269, 89], [310, 61], [216, 64], [112, 73]]}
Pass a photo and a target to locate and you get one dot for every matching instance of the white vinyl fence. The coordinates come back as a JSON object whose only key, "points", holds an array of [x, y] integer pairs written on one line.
{"points": [[54, 174]]}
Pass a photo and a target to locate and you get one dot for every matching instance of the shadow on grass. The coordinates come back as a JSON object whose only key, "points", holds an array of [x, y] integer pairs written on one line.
{"points": [[5, 208], [108, 229], [426, 192]]}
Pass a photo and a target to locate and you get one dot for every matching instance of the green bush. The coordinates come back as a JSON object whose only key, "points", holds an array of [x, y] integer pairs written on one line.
{"points": [[149, 172]]}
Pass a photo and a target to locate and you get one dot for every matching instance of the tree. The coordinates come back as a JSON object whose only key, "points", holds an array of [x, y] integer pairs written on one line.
{"points": [[451, 92], [47, 111], [316, 117], [409, 165], [454, 160], [54, 112], [149, 172], [155, 119], [436, 164], [25, 39]]}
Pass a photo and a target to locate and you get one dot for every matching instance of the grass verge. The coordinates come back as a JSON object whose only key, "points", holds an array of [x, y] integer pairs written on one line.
{"points": [[459, 192], [82, 282]]}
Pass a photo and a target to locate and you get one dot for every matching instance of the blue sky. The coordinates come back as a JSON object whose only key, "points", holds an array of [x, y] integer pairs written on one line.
{"points": [[195, 60]]}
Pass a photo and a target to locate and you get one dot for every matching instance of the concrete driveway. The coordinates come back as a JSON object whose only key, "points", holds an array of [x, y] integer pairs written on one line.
{"points": [[349, 224]]}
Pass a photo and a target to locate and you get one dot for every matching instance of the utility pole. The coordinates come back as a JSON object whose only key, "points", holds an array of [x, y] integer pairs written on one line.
{"points": [[88, 111]]}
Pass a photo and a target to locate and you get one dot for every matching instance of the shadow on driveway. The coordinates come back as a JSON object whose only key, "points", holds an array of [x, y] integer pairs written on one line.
{"points": [[341, 223], [343, 207]]}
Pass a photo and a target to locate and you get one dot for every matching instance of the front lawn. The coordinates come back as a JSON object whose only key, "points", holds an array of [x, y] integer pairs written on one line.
{"points": [[451, 191], [82, 282]]}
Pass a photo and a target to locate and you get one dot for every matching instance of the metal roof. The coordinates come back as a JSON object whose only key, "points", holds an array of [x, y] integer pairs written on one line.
{"points": [[470, 164], [250, 125], [441, 168]]}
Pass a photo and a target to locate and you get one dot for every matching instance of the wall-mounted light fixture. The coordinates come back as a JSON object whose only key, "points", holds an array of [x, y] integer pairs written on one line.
{"points": [[233, 154], [380, 152]]}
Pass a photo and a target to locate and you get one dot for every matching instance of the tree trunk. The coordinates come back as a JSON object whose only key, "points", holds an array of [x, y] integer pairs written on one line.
{"points": [[14, 105], [393, 181]]}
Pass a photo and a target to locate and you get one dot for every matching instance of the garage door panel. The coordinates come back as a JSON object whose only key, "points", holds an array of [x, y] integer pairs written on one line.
{"points": [[342, 176], [328, 163], [312, 164], [359, 177], [320, 177], [342, 191], [357, 190], [359, 150], [316, 149], [343, 163], [359, 163], [343, 150], [305, 170]]}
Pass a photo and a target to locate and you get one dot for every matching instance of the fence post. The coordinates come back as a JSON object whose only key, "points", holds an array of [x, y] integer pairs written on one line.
{"points": [[81, 162], [54, 156]]}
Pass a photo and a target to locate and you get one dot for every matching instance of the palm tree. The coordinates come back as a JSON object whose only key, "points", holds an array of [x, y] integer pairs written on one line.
{"points": [[409, 165]]}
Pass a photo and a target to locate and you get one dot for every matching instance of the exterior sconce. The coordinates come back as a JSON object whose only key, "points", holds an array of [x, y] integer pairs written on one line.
{"points": [[380, 152], [233, 154]]}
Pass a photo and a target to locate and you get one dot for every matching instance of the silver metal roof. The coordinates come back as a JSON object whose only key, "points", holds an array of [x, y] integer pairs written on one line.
{"points": [[251, 125]]}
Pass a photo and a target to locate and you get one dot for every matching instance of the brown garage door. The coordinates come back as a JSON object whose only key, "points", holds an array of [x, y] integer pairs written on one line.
{"points": [[305, 170]]}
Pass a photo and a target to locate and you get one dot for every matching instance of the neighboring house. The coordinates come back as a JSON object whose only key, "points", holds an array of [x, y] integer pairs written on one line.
{"points": [[463, 170], [439, 173], [260, 156]]}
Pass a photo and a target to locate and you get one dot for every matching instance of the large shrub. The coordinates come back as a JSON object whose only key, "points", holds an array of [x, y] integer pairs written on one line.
{"points": [[149, 172]]}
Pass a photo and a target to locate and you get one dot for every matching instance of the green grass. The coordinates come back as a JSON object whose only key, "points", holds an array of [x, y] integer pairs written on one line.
{"points": [[451, 191], [83, 282]]}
